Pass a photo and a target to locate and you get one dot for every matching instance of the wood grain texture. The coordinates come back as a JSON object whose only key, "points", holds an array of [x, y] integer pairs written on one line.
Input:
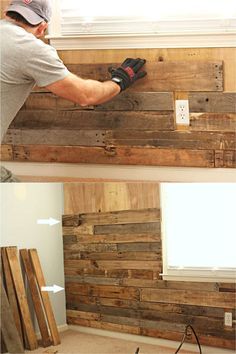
{"points": [[212, 102], [21, 297], [113, 279], [6, 152], [118, 155], [39, 311], [44, 296], [103, 197], [11, 294], [166, 75], [93, 120], [9, 331]]}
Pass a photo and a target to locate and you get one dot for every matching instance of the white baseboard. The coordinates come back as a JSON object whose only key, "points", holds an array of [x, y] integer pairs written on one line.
{"points": [[148, 340]]}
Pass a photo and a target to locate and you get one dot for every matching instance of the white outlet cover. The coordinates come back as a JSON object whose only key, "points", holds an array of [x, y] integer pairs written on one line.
{"points": [[182, 112], [228, 319]]}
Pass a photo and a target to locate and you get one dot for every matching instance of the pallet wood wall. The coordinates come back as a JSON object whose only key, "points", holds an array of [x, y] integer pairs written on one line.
{"points": [[112, 266], [138, 126]]}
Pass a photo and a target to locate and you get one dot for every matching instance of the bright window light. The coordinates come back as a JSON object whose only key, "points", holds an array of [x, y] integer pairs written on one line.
{"points": [[199, 228], [158, 24], [168, 9]]}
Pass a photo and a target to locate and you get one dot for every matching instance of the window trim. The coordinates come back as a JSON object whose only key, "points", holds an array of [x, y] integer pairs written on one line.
{"points": [[182, 34]]}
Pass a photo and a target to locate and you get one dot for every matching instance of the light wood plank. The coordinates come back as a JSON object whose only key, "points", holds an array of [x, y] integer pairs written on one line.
{"points": [[46, 341], [44, 295], [11, 293], [21, 296]]}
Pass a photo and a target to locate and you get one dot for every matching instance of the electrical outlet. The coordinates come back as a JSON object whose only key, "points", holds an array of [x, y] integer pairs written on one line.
{"points": [[228, 319], [182, 112]]}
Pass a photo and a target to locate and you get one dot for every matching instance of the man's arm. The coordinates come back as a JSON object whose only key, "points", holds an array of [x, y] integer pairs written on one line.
{"points": [[84, 92], [92, 92]]}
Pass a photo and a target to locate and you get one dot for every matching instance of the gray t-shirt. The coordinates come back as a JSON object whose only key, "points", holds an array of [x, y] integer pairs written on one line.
{"points": [[25, 62]]}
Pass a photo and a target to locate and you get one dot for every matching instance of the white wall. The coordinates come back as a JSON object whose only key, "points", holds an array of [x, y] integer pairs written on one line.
{"points": [[22, 204]]}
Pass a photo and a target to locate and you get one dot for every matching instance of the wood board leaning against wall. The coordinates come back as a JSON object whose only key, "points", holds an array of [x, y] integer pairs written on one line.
{"points": [[113, 261], [137, 127]]}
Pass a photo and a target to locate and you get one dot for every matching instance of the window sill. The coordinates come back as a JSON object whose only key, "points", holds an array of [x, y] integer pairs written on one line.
{"points": [[182, 40]]}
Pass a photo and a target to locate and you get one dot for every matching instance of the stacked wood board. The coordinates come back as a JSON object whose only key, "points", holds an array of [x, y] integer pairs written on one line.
{"points": [[138, 126], [17, 324], [113, 262]]}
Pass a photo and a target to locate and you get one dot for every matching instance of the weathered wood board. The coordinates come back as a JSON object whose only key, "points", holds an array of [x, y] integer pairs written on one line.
{"points": [[113, 281]]}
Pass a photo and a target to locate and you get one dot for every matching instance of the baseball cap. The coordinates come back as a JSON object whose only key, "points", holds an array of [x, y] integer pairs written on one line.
{"points": [[34, 11]]}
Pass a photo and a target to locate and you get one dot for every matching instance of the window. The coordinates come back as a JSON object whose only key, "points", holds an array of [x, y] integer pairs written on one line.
{"points": [[93, 24], [199, 231]]}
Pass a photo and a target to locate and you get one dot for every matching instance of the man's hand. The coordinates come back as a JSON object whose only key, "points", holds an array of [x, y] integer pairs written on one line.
{"points": [[128, 72]]}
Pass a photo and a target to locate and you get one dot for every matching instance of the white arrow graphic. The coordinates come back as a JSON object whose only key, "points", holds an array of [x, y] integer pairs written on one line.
{"points": [[49, 221], [54, 288]]}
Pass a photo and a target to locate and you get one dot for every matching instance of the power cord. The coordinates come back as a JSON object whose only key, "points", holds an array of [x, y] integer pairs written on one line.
{"points": [[186, 335]]}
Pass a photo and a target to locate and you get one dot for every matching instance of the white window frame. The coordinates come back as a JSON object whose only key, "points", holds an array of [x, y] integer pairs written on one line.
{"points": [[166, 34], [188, 274]]}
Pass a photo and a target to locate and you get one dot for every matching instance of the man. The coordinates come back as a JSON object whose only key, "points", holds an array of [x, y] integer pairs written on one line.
{"points": [[26, 61]]}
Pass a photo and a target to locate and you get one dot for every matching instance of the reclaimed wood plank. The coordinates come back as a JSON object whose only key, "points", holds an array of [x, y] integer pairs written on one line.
{"points": [[109, 291], [222, 122], [134, 101], [21, 297], [224, 102], [148, 256], [140, 101], [111, 238], [93, 120], [132, 228], [6, 152], [11, 294], [120, 217], [78, 247], [111, 264], [119, 155], [9, 331], [166, 75], [176, 139], [225, 159], [201, 298], [70, 220], [55, 137], [44, 296], [39, 311]]}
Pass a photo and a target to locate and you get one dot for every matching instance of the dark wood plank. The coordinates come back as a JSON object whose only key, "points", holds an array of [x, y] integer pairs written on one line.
{"points": [[111, 264], [117, 156], [135, 228], [46, 341], [118, 217], [222, 122], [107, 291], [93, 120], [55, 137], [140, 101], [9, 331], [44, 295], [21, 296], [11, 294], [149, 256], [214, 102], [176, 139], [165, 75], [201, 298], [126, 101]]}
